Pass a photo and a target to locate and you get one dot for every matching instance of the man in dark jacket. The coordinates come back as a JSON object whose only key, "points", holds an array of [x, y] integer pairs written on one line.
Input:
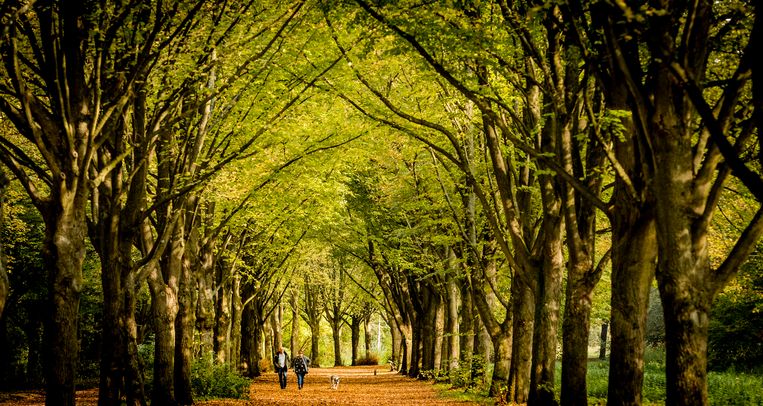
{"points": [[281, 364]]}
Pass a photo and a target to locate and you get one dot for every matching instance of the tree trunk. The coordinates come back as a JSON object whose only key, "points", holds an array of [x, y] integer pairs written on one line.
{"points": [[4, 286], [397, 342], [428, 328], [368, 334], [315, 334], [438, 335], [294, 341], [276, 324], [502, 367], [633, 257], [184, 334], [165, 310], [546, 327], [417, 329], [205, 310], [686, 346], [575, 331], [405, 348], [603, 342], [236, 328], [454, 339], [467, 328], [523, 309], [336, 333], [134, 385], [355, 324], [246, 337], [223, 315], [64, 254]]}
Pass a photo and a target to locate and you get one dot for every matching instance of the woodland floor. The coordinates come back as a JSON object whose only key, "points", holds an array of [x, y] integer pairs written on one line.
{"points": [[366, 385]]}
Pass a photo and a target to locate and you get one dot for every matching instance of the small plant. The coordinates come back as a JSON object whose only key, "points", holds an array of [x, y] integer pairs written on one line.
{"points": [[210, 381]]}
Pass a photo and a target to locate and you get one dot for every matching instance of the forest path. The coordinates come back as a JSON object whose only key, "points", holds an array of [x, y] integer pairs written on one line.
{"points": [[362, 385], [358, 386]]}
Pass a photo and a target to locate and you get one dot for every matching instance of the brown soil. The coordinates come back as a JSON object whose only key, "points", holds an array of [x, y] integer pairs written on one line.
{"points": [[358, 386]]}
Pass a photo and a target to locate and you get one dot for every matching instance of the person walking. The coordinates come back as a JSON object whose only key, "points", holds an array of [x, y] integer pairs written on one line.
{"points": [[301, 365], [280, 364]]}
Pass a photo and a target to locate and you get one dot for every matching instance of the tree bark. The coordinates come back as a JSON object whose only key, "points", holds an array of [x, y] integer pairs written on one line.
{"points": [[4, 286], [64, 254], [523, 309], [603, 342], [355, 324], [223, 314], [634, 252], [467, 328], [439, 335], [454, 339], [368, 331], [184, 334], [237, 331], [165, 310], [315, 334], [294, 341]]}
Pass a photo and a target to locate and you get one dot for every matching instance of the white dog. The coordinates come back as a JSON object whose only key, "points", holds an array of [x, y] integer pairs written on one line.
{"points": [[334, 381]]}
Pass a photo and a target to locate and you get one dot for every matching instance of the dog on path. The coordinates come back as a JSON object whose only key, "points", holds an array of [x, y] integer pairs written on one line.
{"points": [[334, 381]]}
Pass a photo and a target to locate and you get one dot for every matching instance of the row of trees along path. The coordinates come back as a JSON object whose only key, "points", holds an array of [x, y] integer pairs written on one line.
{"points": [[359, 385]]}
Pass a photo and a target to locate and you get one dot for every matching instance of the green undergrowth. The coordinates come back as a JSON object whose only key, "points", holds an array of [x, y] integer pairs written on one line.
{"points": [[724, 388], [446, 391]]}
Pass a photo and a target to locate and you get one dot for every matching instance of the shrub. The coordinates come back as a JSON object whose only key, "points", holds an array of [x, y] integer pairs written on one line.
{"points": [[217, 381], [369, 360], [266, 366]]}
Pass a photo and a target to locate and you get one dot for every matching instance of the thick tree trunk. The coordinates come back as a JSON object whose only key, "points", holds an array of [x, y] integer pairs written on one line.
{"points": [[64, 254], [467, 328], [267, 350], [368, 328], [236, 328], [315, 334], [165, 310], [205, 310], [355, 324], [634, 252], [523, 309], [294, 341], [406, 332], [439, 335], [223, 315], [575, 331], [184, 334], [276, 323], [336, 333], [246, 337], [501, 371], [454, 339], [428, 329], [417, 329], [686, 325], [397, 342], [545, 332], [4, 286], [134, 384], [113, 337], [258, 342], [603, 342]]}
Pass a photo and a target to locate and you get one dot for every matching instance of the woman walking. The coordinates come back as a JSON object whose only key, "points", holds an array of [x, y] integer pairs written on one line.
{"points": [[301, 365]]}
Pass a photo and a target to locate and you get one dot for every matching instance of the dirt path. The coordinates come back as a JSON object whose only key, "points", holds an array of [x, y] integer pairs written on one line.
{"points": [[358, 386]]}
